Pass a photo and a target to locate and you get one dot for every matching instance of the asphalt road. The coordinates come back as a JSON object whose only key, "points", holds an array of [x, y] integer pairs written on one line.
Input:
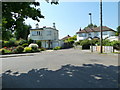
{"points": [[61, 69]]}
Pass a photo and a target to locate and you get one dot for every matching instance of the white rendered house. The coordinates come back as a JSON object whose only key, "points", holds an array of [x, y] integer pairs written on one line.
{"points": [[47, 35], [94, 33]]}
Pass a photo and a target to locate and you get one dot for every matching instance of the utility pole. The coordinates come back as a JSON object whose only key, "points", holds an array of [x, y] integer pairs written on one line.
{"points": [[101, 51]]}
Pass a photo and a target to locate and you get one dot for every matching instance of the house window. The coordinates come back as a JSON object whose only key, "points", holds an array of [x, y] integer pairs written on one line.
{"points": [[105, 33], [39, 33], [49, 33], [34, 33], [82, 35]]}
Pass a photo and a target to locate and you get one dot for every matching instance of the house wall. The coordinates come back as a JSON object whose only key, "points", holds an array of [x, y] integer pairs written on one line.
{"points": [[81, 37], [45, 35], [95, 34]]}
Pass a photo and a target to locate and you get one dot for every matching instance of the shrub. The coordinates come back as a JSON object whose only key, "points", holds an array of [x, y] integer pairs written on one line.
{"points": [[85, 44], [57, 48], [33, 46], [5, 44], [30, 41], [27, 49], [2, 51], [42, 49], [38, 43], [116, 44], [22, 42], [11, 42], [19, 49], [104, 43], [17, 43], [14, 51], [25, 44]]}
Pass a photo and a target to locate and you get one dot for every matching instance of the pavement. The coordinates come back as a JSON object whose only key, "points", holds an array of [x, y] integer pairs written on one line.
{"points": [[66, 68], [37, 53], [23, 54]]}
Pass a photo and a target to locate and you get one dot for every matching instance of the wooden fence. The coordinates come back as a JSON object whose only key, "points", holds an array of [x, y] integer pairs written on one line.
{"points": [[106, 49]]}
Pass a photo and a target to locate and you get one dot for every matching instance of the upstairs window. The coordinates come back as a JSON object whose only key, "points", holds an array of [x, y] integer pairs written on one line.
{"points": [[82, 35], [105, 33], [34, 33], [49, 33]]}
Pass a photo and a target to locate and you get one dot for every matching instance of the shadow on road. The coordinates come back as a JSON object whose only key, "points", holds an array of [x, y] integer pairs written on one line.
{"points": [[86, 76]]}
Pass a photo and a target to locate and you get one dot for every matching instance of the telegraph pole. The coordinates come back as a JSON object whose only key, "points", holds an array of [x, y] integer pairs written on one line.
{"points": [[101, 51]]}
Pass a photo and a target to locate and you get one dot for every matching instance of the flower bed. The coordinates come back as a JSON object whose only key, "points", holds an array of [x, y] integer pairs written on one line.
{"points": [[16, 50]]}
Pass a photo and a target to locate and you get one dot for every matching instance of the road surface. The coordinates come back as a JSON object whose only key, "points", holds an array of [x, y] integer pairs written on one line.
{"points": [[69, 68]]}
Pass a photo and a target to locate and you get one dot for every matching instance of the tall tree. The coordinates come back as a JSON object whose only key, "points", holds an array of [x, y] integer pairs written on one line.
{"points": [[15, 13], [22, 32], [118, 31]]}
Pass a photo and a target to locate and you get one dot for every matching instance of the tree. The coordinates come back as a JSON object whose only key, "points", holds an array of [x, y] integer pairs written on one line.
{"points": [[118, 31], [15, 13], [90, 25], [22, 32]]}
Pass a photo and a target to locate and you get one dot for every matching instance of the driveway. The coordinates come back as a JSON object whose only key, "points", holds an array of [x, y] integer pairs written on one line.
{"points": [[70, 68]]}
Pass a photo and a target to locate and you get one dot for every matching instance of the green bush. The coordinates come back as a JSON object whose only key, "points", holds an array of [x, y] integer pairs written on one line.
{"points": [[30, 41], [33, 46], [78, 43], [19, 49], [5, 44], [42, 49], [85, 44], [116, 44], [21, 42], [27, 49], [25, 44], [11, 43], [39, 43], [17, 42], [104, 43], [2, 51], [57, 48]]}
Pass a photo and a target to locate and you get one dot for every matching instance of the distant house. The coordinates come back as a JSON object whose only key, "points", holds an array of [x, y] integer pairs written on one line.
{"points": [[66, 37], [47, 35], [94, 33]]}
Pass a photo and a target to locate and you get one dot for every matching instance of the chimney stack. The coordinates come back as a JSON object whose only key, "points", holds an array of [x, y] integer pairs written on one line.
{"points": [[37, 25], [80, 29], [54, 26]]}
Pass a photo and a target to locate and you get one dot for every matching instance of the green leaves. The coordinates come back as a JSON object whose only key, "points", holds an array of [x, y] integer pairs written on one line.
{"points": [[13, 12]]}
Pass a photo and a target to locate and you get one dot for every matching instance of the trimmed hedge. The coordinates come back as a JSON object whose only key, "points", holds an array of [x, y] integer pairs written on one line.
{"points": [[57, 48], [19, 49], [27, 49]]}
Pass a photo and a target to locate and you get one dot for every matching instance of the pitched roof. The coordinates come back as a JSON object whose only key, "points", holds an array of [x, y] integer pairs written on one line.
{"points": [[68, 36], [45, 28], [96, 29]]}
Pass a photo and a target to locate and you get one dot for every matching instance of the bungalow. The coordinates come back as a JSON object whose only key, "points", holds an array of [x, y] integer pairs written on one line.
{"points": [[95, 33], [47, 35]]}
